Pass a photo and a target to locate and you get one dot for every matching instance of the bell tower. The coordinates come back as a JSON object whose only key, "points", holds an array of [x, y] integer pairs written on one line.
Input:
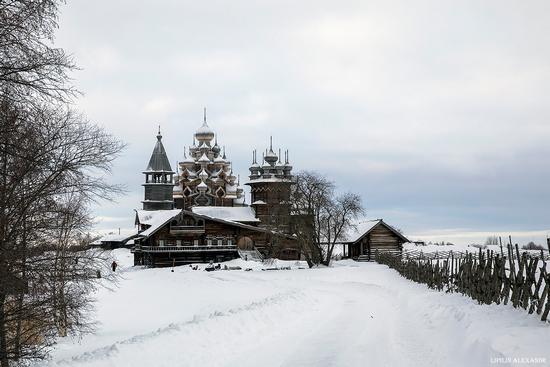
{"points": [[159, 180]]}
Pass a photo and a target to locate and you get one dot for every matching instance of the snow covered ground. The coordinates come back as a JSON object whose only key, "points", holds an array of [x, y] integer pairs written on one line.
{"points": [[352, 314]]}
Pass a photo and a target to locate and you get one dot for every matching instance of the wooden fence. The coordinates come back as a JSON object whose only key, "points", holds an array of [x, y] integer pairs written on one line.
{"points": [[521, 279]]}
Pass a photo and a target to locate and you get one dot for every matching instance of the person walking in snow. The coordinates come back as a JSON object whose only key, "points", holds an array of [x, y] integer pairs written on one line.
{"points": [[114, 265]]}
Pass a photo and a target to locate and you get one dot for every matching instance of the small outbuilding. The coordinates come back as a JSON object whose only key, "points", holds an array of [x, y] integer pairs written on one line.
{"points": [[371, 236], [113, 241]]}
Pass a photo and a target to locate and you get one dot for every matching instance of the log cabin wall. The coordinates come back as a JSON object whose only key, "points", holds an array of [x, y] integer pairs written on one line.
{"points": [[379, 238], [215, 234], [212, 230], [383, 238]]}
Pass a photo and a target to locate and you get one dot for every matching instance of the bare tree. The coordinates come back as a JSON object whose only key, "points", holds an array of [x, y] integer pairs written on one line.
{"points": [[339, 216], [52, 165], [31, 69], [532, 246], [492, 241], [320, 218], [309, 195]]}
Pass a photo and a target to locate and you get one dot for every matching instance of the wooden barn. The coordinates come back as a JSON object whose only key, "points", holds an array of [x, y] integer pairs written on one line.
{"points": [[373, 236]]}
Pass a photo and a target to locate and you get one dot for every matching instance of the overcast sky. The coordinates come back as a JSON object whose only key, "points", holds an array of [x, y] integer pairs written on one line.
{"points": [[436, 112]]}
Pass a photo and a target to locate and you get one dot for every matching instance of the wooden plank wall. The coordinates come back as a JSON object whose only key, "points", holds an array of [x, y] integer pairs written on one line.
{"points": [[383, 238]]}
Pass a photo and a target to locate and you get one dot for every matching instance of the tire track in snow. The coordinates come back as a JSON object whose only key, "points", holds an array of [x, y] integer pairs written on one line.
{"points": [[113, 349]]}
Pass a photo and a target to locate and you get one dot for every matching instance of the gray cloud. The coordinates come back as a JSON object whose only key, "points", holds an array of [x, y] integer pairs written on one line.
{"points": [[435, 111]]}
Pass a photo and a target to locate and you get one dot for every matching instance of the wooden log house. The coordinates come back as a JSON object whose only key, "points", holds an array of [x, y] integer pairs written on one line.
{"points": [[373, 236], [179, 237]]}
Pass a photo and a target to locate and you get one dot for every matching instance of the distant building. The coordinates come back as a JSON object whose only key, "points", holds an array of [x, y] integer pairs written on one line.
{"points": [[113, 241], [199, 213], [372, 236]]}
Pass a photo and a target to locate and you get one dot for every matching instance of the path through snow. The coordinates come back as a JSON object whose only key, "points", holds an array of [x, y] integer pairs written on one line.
{"points": [[354, 314]]}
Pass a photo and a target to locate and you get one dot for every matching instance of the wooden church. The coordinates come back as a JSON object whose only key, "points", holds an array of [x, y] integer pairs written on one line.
{"points": [[198, 214]]}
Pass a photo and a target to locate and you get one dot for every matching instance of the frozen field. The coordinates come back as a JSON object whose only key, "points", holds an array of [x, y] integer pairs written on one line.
{"points": [[353, 314]]}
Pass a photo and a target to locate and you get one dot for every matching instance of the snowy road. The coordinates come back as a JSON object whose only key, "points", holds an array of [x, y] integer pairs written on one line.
{"points": [[354, 314]]}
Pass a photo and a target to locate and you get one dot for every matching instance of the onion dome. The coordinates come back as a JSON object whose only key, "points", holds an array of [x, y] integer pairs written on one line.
{"points": [[203, 175], [255, 164], [215, 173], [191, 174], [202, 187], [204, 159], [219, 159], [288, 167], [232, 177], [204, 134], [270, 156], [187, 160], [279, 165], [266, 164], [216, 148], [193, 147]]}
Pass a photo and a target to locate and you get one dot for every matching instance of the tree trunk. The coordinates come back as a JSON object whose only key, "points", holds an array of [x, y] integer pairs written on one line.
{"points": [[17, 341], [3, 337]]}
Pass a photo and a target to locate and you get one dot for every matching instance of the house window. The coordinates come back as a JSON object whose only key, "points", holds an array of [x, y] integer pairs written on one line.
{"points": [[178, 242], [220, 242], [229, 242], [195, 242], [161, 243], [208, 242]]}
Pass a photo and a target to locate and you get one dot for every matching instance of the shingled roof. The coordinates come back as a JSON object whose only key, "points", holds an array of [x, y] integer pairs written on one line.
{"points": [[159, 161]]}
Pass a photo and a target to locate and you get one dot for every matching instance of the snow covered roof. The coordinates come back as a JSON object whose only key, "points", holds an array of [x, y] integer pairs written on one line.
{"points": [[271, 179], [112, 237], [158, 220], [361, 228], [189, 160], [239, 200], [235, 214], [156, 217], [364, 227]]}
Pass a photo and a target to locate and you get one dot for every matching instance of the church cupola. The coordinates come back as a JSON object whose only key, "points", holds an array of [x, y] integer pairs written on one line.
{"points": [[204, 134], [270, 156], [255, 167], [159, 180]]}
